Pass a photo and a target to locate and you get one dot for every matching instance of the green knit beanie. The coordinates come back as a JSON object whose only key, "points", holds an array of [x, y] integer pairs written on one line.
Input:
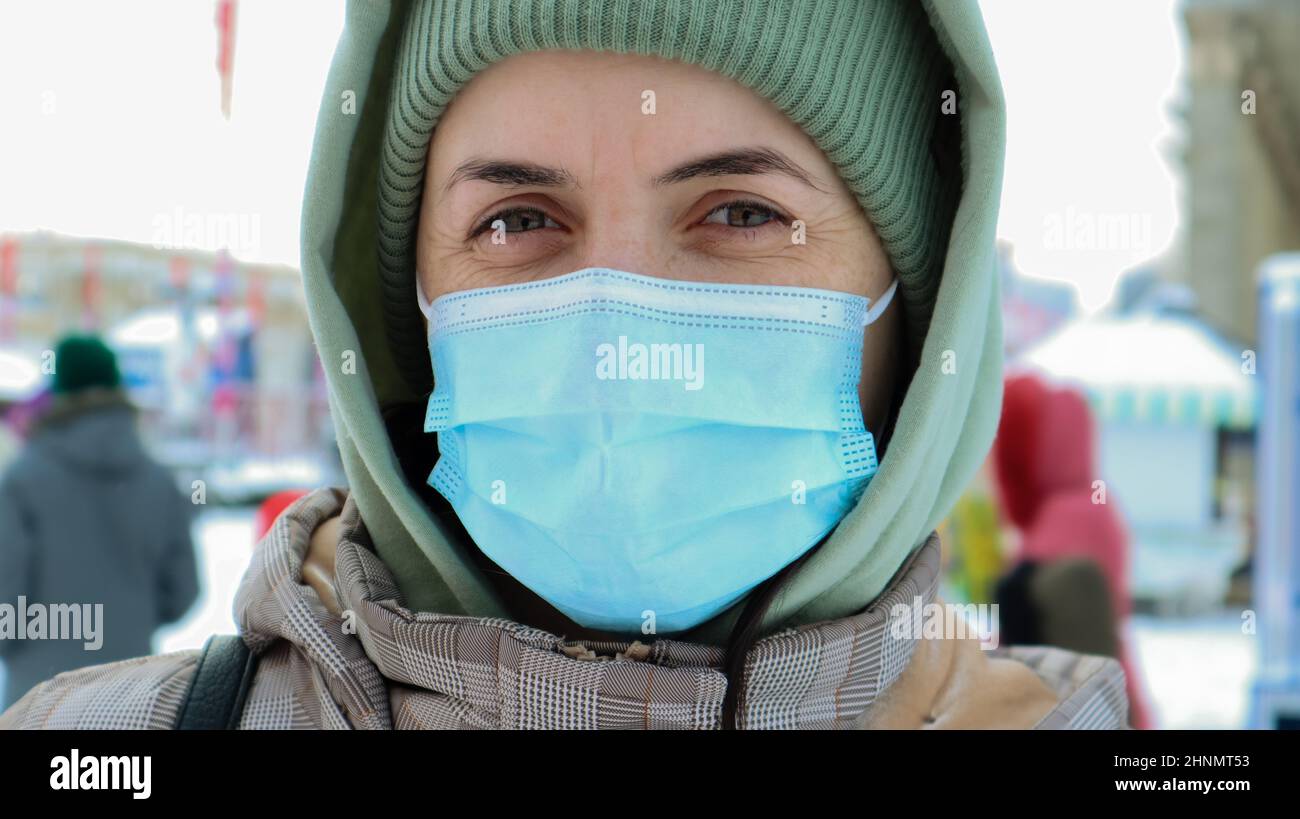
{"points": [[82, 362], [864, 78]]}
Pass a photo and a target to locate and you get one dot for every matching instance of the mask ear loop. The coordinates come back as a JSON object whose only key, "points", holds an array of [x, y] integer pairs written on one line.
{"points": [[874, 311], [425, 306]]}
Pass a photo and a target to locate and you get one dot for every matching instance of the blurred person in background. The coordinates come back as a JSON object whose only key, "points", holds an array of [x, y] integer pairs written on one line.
{"points": [[972, 536], [1068, 585], [271, 508], [777, 182], [89, 518]]}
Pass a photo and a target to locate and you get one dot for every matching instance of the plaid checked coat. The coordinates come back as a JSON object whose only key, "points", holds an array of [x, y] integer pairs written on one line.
{"points": [[365, 661]]}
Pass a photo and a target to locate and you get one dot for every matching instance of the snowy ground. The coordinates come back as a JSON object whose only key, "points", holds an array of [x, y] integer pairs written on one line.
{"points": [[1197, 670], [224, 539]]}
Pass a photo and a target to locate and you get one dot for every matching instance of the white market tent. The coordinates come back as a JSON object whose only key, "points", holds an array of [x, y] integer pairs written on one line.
{"points": [[1161, 368], [1161, 385]]}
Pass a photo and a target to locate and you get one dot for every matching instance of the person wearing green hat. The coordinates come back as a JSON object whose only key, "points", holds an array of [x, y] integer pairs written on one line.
{"points": [[659, 336], [84, 363], [93, 526]]}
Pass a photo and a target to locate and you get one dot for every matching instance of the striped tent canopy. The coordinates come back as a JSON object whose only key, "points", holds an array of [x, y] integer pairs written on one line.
{"points": [[1152, 368]]}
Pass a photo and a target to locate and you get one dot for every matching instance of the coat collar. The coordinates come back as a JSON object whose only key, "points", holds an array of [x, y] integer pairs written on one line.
{"points": [[385, 665]]}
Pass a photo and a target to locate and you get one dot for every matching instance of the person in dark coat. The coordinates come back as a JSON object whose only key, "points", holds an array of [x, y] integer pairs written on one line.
{"points": [[95, 546]]}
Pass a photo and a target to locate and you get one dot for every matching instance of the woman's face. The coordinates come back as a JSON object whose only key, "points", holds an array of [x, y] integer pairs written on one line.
{"points": [[562, 147]]}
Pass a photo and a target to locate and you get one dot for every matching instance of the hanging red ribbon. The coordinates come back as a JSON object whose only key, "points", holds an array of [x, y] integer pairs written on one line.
{"points": [[180, 274], [226, 50], [93, 257], [8, 266], [256, 299], [8, 286]]}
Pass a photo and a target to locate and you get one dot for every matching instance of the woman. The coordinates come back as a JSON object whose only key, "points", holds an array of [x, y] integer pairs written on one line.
{"points": [[657, 248]]}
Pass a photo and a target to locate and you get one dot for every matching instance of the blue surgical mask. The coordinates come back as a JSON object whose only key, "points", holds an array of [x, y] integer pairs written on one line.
{"points": [[641, 452]]}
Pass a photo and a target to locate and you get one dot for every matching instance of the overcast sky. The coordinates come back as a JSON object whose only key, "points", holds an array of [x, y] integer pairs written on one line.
{"points": [[113, 125]]}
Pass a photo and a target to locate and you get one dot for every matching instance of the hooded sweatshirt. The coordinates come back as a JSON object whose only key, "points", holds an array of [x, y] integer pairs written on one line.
{"points": [[944, 425], [423, 574]]}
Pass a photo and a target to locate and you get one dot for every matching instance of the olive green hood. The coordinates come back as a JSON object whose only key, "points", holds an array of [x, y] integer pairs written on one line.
{"points": [[944, 426]]}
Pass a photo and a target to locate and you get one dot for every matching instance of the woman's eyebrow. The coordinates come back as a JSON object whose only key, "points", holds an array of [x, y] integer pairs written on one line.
{"points": [[738, 161], [508, 172]]}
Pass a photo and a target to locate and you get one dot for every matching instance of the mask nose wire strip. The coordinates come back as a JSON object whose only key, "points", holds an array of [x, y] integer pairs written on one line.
{"points": [[873, 312], [876, 309]]}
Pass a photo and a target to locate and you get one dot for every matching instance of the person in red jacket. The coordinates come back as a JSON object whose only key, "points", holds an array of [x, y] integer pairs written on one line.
{"points": [[271, 508], [1069, 583]]}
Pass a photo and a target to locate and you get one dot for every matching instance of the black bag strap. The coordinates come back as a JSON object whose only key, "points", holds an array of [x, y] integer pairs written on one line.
{"points": [[215, 700]]}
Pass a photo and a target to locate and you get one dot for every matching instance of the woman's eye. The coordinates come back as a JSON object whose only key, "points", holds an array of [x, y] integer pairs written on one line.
{"points": [[517, 220], [742, 215]]}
